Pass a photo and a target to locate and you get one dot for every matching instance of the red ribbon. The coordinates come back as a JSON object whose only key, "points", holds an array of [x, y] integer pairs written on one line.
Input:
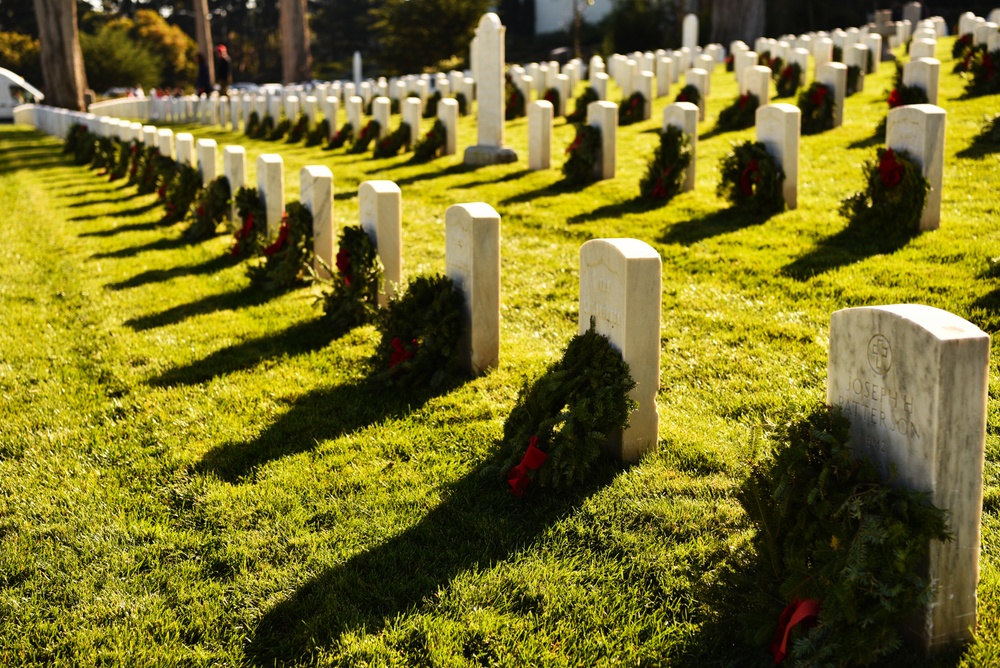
{"points": [[818, 96], [795, 613], [280, 241], [399, 352], [344, 264], [890, 170], [895, 98], [743, 99], [682, 97], [786, 73], [533, 459], [750, 177]]}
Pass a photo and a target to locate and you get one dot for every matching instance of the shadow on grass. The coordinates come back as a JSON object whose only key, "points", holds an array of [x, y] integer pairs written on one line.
{"points": [[121, 229], [127, 213], [978, 151], [226, 301], [299, 339], [635, 205], [513, 176], [874, 140], [460, 168], [711, 225], [158, 245], [478, 524], [162, 275], [552, 190], [846, 247], [106, 200]]}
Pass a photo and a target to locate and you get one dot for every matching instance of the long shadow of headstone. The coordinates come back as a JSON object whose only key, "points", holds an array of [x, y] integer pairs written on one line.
{"points": [[846, 247], [714, 224], [226, 301], [616, 210], [478, 524], [161, 275]]}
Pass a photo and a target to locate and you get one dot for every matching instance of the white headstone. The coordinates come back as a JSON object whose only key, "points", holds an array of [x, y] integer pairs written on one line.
{"points": [[913, 380], [620, 290], [834, 76], [316, 194], [491, 93], [663, 76], [690, 31], [600, 85], [540, 135], [353, 108], [912, 12], [741, 61], [564, 89], [857, 56], [684, 115], [271, 188], [698, 78], [822, 51], [757, 81], [472, 261], [923, 73], [356, 68], [234, 167], [165, 142], [381, 108], [411, 116], [380, 208], [448, 115], [778, 129], [604, 115], [919, 129], [874, 43], [207, 149]]}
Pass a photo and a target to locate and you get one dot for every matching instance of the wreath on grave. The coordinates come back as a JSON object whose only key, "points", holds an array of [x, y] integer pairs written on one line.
{"points": [[463, 104], [789, 79], [318, 134], [430, 145], [142, 157], [210, 209], [353, 297], [180, 192], [157, 170], [249, 239], [289, 258], [299, 130], [76, 136], [739, 115], [667, 170], [764, 58], [853, 79], [989, 134], [842, 546], [431, 108], [899, 96], [970, 55], [252, 128], [369, 133], [893, 198], [960, 46], [730, 63], [984, 78], [837, 55], [631, 109], [552, 97], [104, 151], [690, 94], [560, 423], [583, 155], [752, 179], [420, 333], [279, 131], [83, 145], [344, 135], [514, 103], [582, 102], [816, 104], [122, 158], [390, 145]]}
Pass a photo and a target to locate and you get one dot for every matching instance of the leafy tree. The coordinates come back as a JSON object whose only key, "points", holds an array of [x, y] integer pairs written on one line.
{"points": [[169, 43], [114, 58], [641, 25], [21, 53], [419, 34]]}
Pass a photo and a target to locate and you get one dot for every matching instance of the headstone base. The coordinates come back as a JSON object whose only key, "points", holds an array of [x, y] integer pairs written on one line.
{"points": [[479, 156]]}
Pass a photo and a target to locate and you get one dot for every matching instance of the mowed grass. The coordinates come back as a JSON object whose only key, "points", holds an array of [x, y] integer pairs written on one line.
{"points": [[194, 473]]}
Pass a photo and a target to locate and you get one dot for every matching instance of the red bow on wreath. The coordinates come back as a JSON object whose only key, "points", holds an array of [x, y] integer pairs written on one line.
{"points": [[750, 177], [744, 99], [818, 96], [682, 97], [344, 264], [280, 241], [660, 191], [797, 612], [895, 98], [533, 459], [399, 352], [890, 170]]}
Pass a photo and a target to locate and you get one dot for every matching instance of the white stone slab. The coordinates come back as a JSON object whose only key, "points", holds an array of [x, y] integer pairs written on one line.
{"points": [[822, 51], [757, 81], [919, 130], [741, 61], [411, 116], [353, 107], [778, 129], [271, 188], [684, 115], [663, 76], [604, 115], [207, 150], [381, 110], [620, 289], [448, 114], [600, 85], [234, 167], [165, 142], [316, 194], [923, 73], [540, 135], [689, 35], [380, 209], [913, 380], [472, 260], [874, 43], [698, 78], [834, 75]]}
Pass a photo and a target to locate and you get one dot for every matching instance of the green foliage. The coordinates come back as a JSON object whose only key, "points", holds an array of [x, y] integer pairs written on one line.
{"points": [[344, 135], [414, 35], [573, 408], [893, 198], [739, 115], [250, 238], [431, 108], [816, 104], [829, 528], [288, 259], [639, 25], [368, 134], [209, 211], [157, 171], [751, 179], [667, 169], [552, 97], [390, 145], [582, 156], [113, 58], [252, 127], [420, 333], [514, 106], [984, 79], [853, 79], [463, 104], [579, 114], [298, 131], [104, 153], [280, 129], [989, 135], [171, 45], [319, 133], [22, 54], [788, 79], [429, 146], [352, 297], [122, 158], [82, 143], [689, 93], [181, 191], [631, 110]]}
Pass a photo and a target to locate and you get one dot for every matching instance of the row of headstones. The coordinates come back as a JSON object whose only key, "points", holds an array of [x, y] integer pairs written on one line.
{"points": [[983, 31], [912, 379]]}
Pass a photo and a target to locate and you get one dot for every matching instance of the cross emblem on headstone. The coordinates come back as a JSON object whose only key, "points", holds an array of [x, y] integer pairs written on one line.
{"points": [[879, 354]]}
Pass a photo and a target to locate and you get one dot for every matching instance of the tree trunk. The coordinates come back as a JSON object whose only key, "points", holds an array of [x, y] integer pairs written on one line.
{"points": [[62, 60], [737, 19], [203, 35], [296, 63]]}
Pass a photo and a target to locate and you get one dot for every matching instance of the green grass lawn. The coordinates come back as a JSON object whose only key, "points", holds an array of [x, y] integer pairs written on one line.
{"points": [[193, 473]]}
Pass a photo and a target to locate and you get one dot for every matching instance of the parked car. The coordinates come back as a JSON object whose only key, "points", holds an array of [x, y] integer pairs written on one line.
{"points": [[14, 90], [244, 87]]}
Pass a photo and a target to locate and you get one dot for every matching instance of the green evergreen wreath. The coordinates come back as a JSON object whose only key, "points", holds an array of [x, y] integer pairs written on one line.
{"points": [[252, 127], [180, 193], [104, 154], [210, 209], [741, 114], [430, 145], [568, 414], [431, 108], [552, 97], [984, 78], [751, 179], [369, 133], [514, 103], [894, 196], [899, 96], [690, 94], [969, 56], [122, 157], [579, 114], [632, 109], [829, 529], [816, 104], [266, 127], [730, 60], [143, 156], [788, 80], [318, 134], [853, 79], [667, 170], [298, 131], [344, 135], [989, 134], [249, 239], [463, 104], [353, 296], [420, 332], [157, 170], [583, 155], [289, 258], [390, 145], [76, 135], [960, 46], [279, 130]]}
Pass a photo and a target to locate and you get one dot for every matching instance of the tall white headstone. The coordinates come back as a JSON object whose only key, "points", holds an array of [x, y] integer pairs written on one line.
{"points": [[604, 115], [356, 68], [834, 76], [316, 194], [271, 188], [380, 208], [234, 167], [207, 150], [778, 129], [491, 93], [684, 116], [919, 129], [448, 114], [540, 135]]}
